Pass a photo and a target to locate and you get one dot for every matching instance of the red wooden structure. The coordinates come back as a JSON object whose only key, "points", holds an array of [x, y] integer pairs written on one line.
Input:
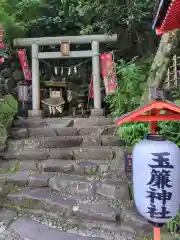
{"points": [[153, 112], [167, 16]]}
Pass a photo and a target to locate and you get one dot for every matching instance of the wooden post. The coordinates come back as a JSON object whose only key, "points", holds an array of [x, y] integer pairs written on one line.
{"points": [[96, 75]]}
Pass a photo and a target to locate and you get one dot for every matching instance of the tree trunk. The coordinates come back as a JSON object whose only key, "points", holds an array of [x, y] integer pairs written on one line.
{"points": [[160, 64]]}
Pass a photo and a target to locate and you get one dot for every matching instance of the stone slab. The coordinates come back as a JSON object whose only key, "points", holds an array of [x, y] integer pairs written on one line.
{"points": [[94, 153], [96, 211], [73, 185], [113, 190], [31, 230], [44, 199]]}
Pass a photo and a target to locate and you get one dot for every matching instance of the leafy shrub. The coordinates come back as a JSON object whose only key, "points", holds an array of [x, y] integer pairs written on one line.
{"points": [[8, 110], [131, 77]]}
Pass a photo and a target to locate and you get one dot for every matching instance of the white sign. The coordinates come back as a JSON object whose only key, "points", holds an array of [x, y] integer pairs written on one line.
{"points": [[55, 94]]}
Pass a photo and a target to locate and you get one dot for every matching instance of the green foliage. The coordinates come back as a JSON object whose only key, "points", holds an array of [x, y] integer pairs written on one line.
{"points": [[131, 77], [127, 98], [8, 110], [35, 18]]}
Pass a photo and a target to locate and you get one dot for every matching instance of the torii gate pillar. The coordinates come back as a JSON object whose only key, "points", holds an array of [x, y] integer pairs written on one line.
{"points": [[94, 40]]}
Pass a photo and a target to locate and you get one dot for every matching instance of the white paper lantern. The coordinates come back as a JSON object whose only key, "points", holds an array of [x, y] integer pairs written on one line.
{"points": [[156, 178]]}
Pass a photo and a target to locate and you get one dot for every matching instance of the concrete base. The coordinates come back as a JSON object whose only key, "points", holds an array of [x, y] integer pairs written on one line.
{"points": [[97, 112], [35, 113]]}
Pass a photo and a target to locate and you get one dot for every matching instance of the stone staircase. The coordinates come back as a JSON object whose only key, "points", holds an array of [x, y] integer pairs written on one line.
{"points": [[64, 179]]}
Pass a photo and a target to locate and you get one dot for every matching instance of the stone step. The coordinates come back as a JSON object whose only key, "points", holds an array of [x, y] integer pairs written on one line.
{"points": [[101, 229], [24, 228], [69, 184], [86, 153], [63, 141], [62, 205], [43, 123], [19, 133], [99, 169], [63, 122], [96, 169], [138, 226]]}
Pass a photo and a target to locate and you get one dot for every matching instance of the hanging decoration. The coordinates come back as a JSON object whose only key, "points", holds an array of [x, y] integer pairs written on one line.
{"points": [[65, 48], [69, 71], [25, 65], [56, 71], [108, 73], [62, 71], [75, 69], [3, 54], [69, 95]]}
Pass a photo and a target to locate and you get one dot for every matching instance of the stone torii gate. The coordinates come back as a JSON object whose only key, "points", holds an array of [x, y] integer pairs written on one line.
{"points": [[94, 40]]}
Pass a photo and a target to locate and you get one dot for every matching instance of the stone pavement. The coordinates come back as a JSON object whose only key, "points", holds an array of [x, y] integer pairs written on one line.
{"points": [[64, 179]]}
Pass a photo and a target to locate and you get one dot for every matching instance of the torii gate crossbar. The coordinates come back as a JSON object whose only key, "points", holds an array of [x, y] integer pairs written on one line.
{"points": [[34, 43]]}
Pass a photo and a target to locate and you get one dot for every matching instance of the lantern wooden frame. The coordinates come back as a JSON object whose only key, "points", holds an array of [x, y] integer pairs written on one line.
{"points": [[65, 48], [153, 112]]}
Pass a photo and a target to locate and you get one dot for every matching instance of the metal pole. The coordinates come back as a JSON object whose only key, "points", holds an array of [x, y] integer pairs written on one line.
{"points": [[35, 79], [96, 75]]}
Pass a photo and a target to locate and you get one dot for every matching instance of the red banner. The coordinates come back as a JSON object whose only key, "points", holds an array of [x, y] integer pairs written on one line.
{"points": [[108, 72], [24, 65]]}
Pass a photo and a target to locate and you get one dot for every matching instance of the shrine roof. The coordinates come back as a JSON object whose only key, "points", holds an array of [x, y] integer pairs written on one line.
{"points": [[167, 16], [155, 105]]}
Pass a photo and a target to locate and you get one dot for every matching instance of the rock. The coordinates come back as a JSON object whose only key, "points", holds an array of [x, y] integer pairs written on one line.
{"points": [[92, 140], [133, 219], [6, 72], [90, 131], [37, 181], [57, 166], [15, 165], [31, 143], [95, 211], [14, 145], [90, 122], [86, 168], [111, 141], [50, 132], [21, 178], [31, 230], [72, 185], [44, 199], [94, 153], [97, 112], [6, 217], [60, 154], [36, 154], [118, 190], [41, 132], [67, 131], [19, 133], [61, 142]]}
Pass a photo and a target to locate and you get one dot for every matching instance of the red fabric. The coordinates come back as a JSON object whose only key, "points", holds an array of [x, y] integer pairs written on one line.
{"points": [[24, 65], [1, 60], [91, 89], [2, 45], [107, 68], [172, 18]]}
